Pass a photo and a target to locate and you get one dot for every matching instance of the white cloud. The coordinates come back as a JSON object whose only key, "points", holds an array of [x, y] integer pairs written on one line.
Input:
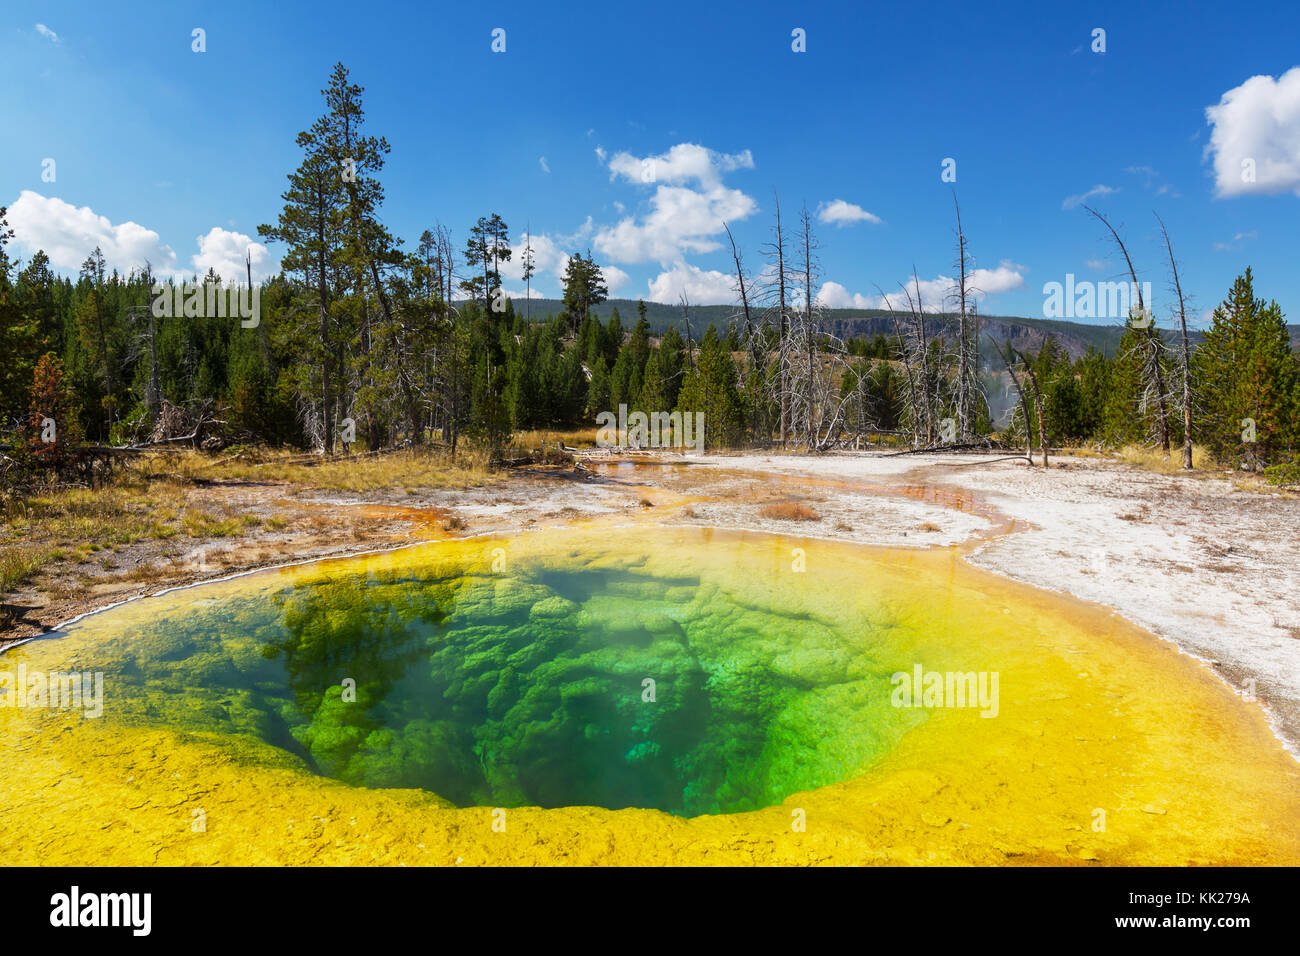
{"points": [[682, 164], [936, 293], [550, 261], [548, 258], [1097, 264], [1099, 190], [601, 154], [1151, 179], [615, 278], [680, 221], [46, 32], [579, 235], [841, 213], [223, 251], [541, 160], [701, 287], [835, 296], [68, 235], [1004, 278], [1226, 246], [1257, 121], [686, 211]]}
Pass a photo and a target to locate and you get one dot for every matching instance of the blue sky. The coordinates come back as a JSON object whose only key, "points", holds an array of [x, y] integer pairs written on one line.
{"points": [[165, 153]]}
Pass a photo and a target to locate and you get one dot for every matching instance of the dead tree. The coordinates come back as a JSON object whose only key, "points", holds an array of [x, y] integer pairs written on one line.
{"points": [[807, 245], [776, 249], [916, 307], [1185, 351], [686, 321], [1038, 404], [755, 340], [743, 289], [967, 364], [1152, 374], [1007, 361], [911, 392]]}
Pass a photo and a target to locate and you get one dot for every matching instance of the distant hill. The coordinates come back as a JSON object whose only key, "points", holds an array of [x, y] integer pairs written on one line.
{"points": [[1025, 334]]}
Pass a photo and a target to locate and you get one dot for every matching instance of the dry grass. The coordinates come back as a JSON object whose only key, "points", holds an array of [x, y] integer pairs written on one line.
{"points": [[929, 526], [1155, 460], [145, 500], [152, 571], [77, 522], [575, 438], [403, 470], [18, 564], [205, 524], [788, 511]]}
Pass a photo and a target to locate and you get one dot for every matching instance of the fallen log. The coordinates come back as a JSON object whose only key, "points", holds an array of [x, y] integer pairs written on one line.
{"points": [[964, 446]]}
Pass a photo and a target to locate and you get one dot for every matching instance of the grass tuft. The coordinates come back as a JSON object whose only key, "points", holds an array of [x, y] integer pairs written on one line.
{"points": [[788, 511]]}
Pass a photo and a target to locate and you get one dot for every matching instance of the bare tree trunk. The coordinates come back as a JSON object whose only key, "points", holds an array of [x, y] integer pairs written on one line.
{"points": [[153, 397], [780, 278], [1020, 392], [322, 291], [686, 320], [757, 363], [1151, 366], [743, 289], [963, 344], [1038, 405], [262, 342], [912, 391], [918, 310], [810, 387], [1185, 351]]}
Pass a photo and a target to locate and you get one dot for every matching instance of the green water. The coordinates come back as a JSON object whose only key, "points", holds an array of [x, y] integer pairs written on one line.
{"points": [[531, 688]]}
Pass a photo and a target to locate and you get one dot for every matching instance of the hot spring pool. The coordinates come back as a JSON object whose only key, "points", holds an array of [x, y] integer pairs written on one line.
{"points": [[682, 670]]}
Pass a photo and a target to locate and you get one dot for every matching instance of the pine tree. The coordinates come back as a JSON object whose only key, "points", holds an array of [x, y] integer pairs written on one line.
{"points": [[598, 389], [710, 387], [672, 362], [584, 288], [1246, 379], [20, 337], [311, 226], [485, 249]]}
